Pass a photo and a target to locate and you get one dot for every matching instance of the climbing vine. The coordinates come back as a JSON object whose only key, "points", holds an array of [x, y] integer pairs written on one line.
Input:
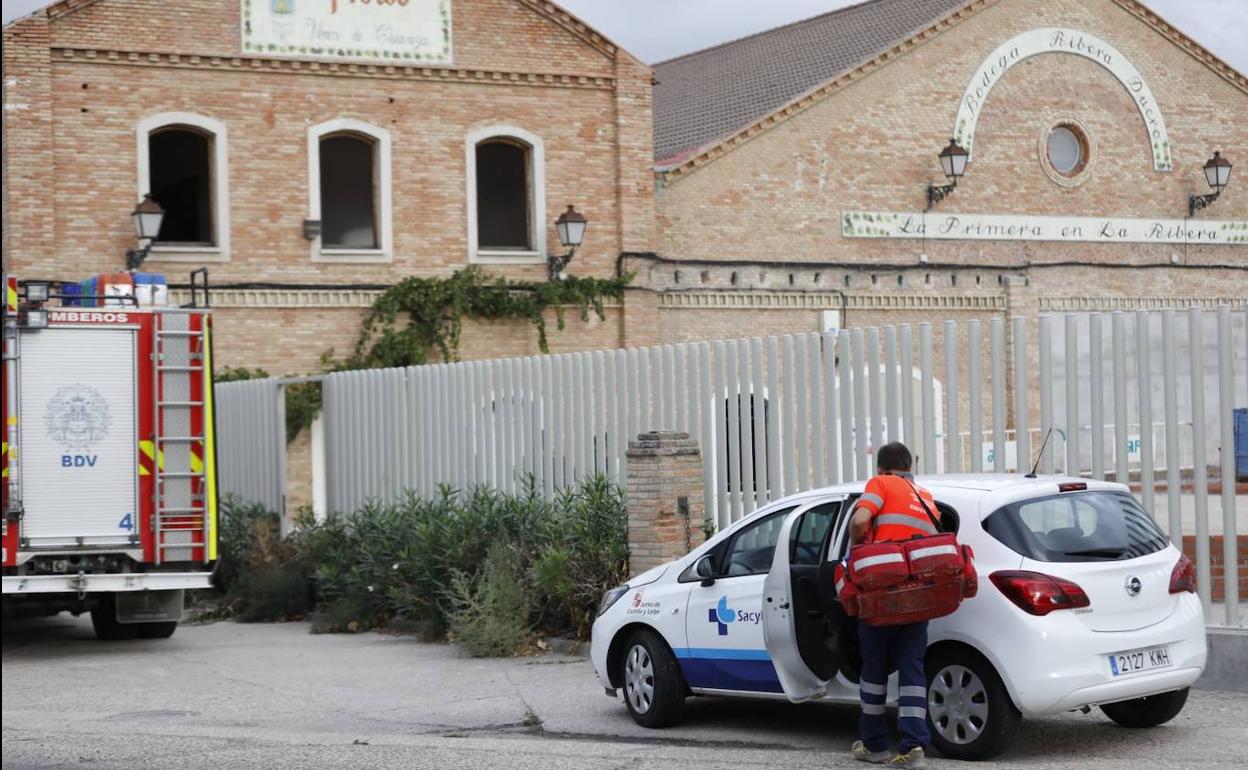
{"points": [[420, 316]]}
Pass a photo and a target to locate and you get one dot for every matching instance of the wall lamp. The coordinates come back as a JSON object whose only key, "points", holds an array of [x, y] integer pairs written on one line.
{"points": [[1217, 174], [953, 162], [571, 226], [148, 216]]}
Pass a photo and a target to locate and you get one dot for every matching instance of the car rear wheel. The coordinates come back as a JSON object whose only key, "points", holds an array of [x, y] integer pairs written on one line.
{"points": [[969, 712], [654, 689], [1149, 711]]}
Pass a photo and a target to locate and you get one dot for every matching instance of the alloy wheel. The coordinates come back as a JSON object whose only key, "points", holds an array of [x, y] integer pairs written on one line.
{"points": [[958, 704], [639, 679]]}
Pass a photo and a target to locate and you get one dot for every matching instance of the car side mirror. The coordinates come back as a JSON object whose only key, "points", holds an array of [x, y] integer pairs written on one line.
{"points": [[705, 569]]}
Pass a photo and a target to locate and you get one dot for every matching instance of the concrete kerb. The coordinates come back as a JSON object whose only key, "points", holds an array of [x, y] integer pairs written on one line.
{"points": [[1227, 667]]}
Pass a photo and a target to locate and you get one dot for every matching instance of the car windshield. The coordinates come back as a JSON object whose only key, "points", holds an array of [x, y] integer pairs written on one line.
{"points": [[1086, 526]]}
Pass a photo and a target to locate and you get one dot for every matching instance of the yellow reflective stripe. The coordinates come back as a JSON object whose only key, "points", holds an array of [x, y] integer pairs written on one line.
{"points": [[5, 452], [197, 465], [149, 450], [210, 476], [11, 298]]}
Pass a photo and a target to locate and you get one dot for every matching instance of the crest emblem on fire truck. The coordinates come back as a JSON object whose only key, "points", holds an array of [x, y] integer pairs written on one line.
{"points": [[77, 417]]}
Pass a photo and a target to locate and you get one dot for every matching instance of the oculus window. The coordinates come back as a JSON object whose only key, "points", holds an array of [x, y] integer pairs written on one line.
{"points": [[1067, 150]]}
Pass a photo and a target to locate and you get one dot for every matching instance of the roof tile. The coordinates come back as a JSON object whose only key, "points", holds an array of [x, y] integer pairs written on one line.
{"points": [[709, 94]]}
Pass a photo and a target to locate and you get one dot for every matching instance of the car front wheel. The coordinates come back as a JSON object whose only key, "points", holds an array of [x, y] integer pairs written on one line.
{"points": [[654, 690], [969, 711], [1150, 711]]}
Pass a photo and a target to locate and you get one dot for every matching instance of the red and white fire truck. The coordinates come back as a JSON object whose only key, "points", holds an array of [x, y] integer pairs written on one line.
{"points": [[109, 494]]}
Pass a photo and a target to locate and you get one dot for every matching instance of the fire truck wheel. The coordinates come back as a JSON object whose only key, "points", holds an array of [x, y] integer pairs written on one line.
{"points": [[104, 620], [157, 630]]}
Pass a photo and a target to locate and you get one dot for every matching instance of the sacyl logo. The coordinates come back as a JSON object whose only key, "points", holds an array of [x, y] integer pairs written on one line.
{"points": [[721, 614]]}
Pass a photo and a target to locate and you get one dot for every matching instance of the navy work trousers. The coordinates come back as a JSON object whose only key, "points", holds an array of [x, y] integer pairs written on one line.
{"points": [[883, 648]]}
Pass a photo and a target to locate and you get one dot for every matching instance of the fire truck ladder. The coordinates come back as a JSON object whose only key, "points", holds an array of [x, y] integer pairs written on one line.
{"points": [[180, 516]]}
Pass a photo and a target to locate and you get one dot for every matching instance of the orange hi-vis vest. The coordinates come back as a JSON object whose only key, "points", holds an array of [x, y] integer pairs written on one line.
{"points": [[896, 513]]}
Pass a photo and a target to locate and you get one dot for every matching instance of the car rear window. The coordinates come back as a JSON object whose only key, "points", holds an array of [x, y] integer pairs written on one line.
{"points": [[1083, 526]]}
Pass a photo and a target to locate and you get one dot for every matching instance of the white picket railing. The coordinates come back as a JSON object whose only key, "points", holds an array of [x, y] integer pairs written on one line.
{"points": [[780, 414]]}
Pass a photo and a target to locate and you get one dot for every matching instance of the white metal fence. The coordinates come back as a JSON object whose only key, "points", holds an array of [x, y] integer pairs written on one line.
{"points": [[777, 415], [251, 442]]}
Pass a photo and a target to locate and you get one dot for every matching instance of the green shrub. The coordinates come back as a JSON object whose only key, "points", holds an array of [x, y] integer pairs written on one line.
{"points": [[585, 552], [273, 592], [489, 611], [348, 614], [436, 559], [241, 527]]}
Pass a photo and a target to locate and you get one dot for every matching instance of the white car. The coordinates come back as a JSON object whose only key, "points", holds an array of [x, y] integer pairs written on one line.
{"points": [[1082, 602]]}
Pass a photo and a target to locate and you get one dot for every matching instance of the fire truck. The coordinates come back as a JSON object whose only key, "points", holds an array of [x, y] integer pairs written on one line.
{"points": [[109, 493]]}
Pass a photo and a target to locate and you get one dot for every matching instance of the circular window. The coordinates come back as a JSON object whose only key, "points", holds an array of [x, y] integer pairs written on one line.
{"points": [[1066, 149]]}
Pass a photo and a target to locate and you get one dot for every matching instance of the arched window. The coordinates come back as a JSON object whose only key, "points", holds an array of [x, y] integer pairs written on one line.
{"points": [[349, 191], [184, 166], [506, 195]]}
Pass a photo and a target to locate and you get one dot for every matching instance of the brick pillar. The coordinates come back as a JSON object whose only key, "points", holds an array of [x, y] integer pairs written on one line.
{"points": [[665, 513]]}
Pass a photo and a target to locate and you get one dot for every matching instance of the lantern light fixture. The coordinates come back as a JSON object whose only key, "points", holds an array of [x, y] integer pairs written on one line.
{"points": [[570, 226], [1217, 174], [148, 217], [953, 162]]}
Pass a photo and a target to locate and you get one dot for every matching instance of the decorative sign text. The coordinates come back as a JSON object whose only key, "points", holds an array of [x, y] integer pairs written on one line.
{"points": [[1009, 227], [1062, 40], [389, 31]]}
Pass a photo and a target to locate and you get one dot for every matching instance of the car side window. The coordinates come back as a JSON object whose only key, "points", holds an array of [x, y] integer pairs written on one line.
{"points": [[752, 548], [807, 540]]}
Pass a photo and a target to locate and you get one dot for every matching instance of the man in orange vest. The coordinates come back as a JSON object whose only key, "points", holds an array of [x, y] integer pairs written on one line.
{"points": [[893, 508]]}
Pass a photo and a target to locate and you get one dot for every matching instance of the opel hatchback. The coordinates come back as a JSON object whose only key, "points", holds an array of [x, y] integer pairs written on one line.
{"points": [[1082, 602]]}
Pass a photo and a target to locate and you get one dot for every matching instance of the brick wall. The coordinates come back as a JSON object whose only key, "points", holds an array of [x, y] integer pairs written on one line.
{"points": [[77, 84], [1218, 566], [664, 488], [873, 144]]}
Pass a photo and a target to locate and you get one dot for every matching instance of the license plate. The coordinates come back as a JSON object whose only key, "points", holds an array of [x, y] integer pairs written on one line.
{"points": [[1136, 661]]}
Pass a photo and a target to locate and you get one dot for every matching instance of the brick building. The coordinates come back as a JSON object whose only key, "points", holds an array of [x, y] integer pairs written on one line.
{"points": [[256, 124], [794, 166], [783, 179]]}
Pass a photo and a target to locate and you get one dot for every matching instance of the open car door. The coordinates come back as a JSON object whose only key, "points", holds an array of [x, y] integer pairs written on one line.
{"points": [[795, 628]]}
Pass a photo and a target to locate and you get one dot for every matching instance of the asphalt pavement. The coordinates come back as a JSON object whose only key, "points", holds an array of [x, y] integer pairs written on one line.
{"points": [[229, 695]]}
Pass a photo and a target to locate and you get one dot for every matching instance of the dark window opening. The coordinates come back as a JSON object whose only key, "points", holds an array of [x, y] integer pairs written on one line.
{"points": [[348, 193], [747, 403], [503, 191], [180, 175]]}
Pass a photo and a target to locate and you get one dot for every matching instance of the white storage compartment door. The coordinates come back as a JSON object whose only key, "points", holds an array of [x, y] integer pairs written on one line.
{"points": [[78, 436]]}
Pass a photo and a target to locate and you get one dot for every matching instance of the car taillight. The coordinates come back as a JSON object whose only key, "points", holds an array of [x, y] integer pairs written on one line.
{"points": [[1183, 576], [1038, 594]]}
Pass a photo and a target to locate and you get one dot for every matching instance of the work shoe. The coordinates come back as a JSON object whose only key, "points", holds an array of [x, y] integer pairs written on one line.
{"points": [[912, 758], [863, 754]]}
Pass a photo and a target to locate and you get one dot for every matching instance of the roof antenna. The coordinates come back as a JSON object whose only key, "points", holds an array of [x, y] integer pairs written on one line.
{"points": [[1044, 444]]}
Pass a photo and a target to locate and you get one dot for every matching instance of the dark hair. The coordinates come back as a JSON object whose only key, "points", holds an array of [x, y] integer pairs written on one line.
{"points": [[893, 457]]}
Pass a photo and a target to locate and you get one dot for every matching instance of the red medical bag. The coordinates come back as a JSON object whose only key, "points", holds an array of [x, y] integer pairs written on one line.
{"points": [[897, 582], [874, 566]]}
